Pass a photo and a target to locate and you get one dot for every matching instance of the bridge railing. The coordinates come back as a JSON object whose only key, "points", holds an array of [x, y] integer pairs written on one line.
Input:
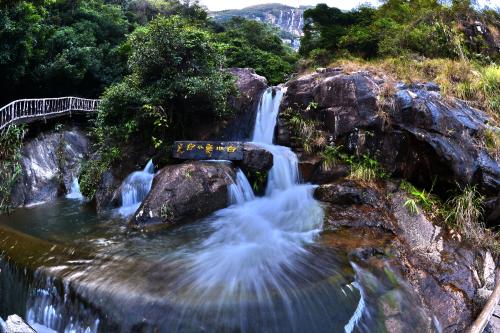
{"points": [[24, 110]]}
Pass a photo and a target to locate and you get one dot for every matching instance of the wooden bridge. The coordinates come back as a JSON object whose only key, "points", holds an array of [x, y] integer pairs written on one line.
{"points": [[29, 110]]}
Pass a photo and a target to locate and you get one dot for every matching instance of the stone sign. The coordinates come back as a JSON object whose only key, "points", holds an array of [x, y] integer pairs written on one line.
{"points": [[208, 150]]}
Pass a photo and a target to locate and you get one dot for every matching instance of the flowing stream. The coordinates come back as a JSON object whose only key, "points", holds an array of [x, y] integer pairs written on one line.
{"points": [[260, 265]]}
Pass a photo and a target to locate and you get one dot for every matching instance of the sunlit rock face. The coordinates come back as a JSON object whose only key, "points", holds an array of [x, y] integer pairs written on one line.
{"points": [[185, 191], [50, 163], [415, 132], [289, 20]]}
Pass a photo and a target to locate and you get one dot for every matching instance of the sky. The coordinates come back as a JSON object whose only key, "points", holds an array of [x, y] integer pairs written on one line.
{"points": [[214, 5]]}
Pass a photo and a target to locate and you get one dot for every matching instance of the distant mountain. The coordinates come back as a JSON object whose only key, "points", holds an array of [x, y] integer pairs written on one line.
{"points": [[289, 20]]}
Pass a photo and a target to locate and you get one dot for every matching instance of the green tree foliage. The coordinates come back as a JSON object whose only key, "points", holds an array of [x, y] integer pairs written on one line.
{"points": [[257, 45], [176, 82], [73, 47], [142, 11], [10, 163], [65, 47], [175, 79], [430, 28], [21, 25]]}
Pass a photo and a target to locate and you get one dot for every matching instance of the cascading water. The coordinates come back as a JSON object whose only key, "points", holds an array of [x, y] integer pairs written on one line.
{"points": [[260, 265], [135, 188], [241, 191], [256, 255], [74, 192]]}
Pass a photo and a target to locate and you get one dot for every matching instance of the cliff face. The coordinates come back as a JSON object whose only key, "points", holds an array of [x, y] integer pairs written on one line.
{"points": [[288, 19]]}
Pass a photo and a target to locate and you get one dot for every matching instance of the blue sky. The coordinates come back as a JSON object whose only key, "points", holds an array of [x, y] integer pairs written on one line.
{"points": [[342, 4]]}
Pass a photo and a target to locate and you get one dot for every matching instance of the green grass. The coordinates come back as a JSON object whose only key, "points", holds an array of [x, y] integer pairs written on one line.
{"points": [[461, 212], [304, 132], [331, 155], [365, 168]]}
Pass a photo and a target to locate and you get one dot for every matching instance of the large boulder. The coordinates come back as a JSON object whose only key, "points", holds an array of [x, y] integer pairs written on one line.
{"points": [[348, 192], [185, 192], [415, 132], [49, 163], [448, 275], [250, 87], [256, 158]]}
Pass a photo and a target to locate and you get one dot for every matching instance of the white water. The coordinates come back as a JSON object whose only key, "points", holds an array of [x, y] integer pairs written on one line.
{"points": [[74, 192], [267, 116], [360, 309], [257, 242], [135, 188], [241, 191]]}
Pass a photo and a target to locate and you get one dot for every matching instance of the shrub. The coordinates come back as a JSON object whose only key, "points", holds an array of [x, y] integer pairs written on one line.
{"points": [[464, 211], [425, 199], [11, 141], [365, 168], [331, 155], [93, 169]]}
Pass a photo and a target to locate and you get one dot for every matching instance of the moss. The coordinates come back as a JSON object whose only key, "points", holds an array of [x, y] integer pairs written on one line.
{"points": [[258, 180], [166, 212]]}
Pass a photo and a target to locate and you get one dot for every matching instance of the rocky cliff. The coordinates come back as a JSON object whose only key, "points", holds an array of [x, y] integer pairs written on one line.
{"points": [[288, 19], [50, 162], [417, 134]]}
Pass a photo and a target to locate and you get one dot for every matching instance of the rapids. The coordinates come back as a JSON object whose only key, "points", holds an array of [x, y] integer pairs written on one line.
{"points": [[260, 265]]}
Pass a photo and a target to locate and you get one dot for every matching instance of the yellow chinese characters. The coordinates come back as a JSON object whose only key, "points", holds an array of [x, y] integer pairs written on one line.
{"points": [[190, 146], [209, 149], [231, 149], [180, 148]]}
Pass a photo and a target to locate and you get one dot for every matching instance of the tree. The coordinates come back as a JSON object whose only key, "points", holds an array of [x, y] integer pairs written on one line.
{"points": [[257, 45], [176, 79]]}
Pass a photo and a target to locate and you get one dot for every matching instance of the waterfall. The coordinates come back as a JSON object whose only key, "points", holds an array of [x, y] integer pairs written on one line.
{"points": [[135, 188], [257, 243], [360, 309], [267, 116], [240, 191], [47, 310], [74, 191]]}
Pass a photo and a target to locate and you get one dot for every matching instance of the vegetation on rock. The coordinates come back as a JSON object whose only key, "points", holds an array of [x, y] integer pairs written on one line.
{"points": [[11, 141]]}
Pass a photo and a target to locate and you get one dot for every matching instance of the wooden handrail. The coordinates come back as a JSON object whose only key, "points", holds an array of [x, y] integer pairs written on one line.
{"points": [[485, 315], [24, 110]]}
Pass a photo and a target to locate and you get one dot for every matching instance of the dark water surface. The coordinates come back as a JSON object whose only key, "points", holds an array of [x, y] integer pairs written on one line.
{"points": [[68, 269]]}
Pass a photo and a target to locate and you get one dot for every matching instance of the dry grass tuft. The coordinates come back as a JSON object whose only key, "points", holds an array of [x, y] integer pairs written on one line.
{"points": [[464, 212], [478, 85]]}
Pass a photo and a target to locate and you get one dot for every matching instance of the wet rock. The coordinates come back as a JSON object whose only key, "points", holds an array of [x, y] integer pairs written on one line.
{"points": [[185, 192], [358, 241], [16, 324], [446, 274], [135, 156], [348, 192], [493, 209], [355, 216], [256, 158], [250, 87], [49, 164], [107, 195], [414, 132], [322, 175], [312, 170]]}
